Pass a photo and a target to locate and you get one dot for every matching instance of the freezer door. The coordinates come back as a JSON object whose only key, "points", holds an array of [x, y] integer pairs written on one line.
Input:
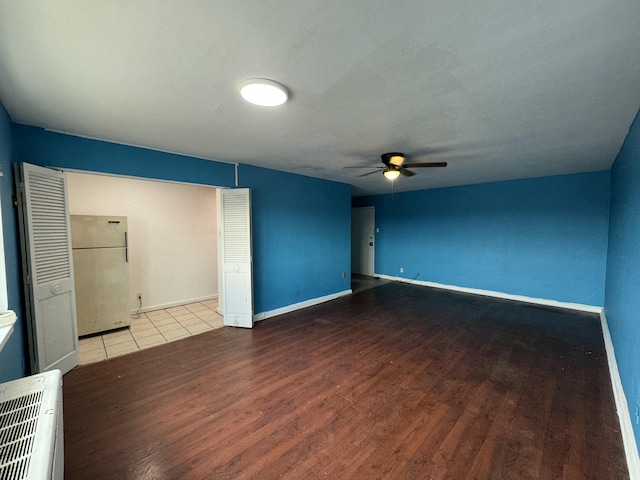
{"points": [[102, 289], [97, 231]]}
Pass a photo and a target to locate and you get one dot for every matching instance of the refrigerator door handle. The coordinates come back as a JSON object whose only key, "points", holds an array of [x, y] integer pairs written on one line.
{"points": [[126, 247]]}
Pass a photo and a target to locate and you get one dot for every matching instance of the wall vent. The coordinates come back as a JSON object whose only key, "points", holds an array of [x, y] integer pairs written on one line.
{"points": [[31, 428], [18, 425]]}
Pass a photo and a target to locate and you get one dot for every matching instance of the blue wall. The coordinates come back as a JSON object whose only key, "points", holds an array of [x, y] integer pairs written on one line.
{"points": [[301, 225], [542, 238], [48, 149], [12, 358], [623, 268]]}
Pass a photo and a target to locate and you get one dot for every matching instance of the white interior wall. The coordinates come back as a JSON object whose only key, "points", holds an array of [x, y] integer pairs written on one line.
{"points": [[172, 234]]}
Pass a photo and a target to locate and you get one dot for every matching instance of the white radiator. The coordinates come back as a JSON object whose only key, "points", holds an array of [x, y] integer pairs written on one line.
{"points": [[31, 433]]}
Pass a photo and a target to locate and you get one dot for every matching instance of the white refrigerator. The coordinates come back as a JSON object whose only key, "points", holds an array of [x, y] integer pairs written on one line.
{"points": [[101, 272]]}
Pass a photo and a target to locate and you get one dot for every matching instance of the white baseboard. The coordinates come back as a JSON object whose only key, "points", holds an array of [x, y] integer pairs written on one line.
{"points": [[297, 306], [628, 438], [491, 293], [151, 308]]}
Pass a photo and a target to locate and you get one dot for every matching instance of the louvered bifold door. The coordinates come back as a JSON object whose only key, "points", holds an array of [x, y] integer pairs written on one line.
{"points": [[236, 252], [48, 268]]}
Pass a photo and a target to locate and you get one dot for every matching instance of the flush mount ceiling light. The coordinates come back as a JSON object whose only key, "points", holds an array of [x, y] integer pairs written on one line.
{"points": [[263, 92]]}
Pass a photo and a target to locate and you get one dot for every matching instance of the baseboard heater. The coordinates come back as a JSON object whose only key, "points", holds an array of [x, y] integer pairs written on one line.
{"points": [[31, 431]]}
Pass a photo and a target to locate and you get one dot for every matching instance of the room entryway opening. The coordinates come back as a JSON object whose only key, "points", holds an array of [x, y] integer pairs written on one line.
{"points": [[172, 260], [363, 241], [187, 232]]}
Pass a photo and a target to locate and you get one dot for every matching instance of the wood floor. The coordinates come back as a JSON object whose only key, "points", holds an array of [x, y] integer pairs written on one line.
{"points": [[399, 381]]}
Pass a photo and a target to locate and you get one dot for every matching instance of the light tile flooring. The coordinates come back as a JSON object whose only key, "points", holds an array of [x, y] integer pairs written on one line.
{"points": [[151, 329]]}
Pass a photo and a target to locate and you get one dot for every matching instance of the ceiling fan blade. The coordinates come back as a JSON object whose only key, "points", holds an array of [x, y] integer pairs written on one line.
{"points": [[423, 165], [370, 173], [364, 166], [406, 173]]}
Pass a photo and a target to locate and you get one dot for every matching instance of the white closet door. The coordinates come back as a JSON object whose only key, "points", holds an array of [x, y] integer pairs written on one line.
{"points": [[48, 268], [237, 288]]}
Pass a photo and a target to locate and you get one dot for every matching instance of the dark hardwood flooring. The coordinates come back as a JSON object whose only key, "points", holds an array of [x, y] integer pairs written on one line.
{"points": [[398, 381], [360, 283]]}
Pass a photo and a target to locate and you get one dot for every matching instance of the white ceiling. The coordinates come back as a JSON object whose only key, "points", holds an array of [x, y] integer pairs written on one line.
{"points": [[500, 90]]}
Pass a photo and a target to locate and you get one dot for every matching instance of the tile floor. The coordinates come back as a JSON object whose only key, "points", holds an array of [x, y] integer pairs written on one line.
{"points": [[151, 329]]}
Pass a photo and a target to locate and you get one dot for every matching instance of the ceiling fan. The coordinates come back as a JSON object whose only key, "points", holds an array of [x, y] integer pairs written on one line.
{"points": [[394, 166]]}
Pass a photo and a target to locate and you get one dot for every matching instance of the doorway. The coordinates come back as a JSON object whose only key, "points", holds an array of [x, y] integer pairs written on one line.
{"points": [[363, 241], [173, 267]]}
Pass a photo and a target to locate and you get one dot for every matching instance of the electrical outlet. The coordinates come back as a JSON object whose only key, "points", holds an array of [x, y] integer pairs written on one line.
{"points": [[401, 270]]}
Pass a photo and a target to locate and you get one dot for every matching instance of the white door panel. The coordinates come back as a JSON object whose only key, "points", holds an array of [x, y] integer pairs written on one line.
{"points": [[362, 240], [47, 268], [55, 334], [237, 288]]}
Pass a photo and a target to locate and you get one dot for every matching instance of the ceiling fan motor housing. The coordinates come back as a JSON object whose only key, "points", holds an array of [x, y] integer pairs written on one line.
{"points": [[393, 158]]}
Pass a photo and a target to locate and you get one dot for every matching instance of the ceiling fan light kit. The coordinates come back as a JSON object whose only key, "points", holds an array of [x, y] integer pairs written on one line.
{"points": [[263, 92], [391, 173]]}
